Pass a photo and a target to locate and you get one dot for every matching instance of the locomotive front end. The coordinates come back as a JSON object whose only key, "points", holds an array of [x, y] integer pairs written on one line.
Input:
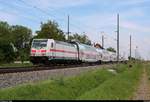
{"points": [[38, 54]]}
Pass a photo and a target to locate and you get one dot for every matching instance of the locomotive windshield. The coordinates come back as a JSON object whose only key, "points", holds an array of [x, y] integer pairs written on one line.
{"points": [[39, 44]]}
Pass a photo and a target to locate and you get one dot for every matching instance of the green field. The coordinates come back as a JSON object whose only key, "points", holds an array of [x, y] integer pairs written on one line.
{"points": [[97, 84]]}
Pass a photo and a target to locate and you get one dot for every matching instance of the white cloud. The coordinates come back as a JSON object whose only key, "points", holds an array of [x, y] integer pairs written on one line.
{"points": [[45, 4], [4, 16], [108, 21], [96, 22], [132, 2], [135, 27]]}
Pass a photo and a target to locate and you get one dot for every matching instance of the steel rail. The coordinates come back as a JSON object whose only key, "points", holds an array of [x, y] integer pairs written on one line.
{"points": [[6, 70]]}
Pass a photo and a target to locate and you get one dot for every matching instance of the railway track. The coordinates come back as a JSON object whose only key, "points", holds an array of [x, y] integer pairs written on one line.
{"points": [[6, 70]]}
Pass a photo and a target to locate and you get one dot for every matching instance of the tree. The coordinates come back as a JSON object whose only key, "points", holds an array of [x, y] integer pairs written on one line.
{"points": [[98, 46], [5, 31], [50, 30], [7, 54], [111, 49], [6, 51], [21, 36], [13, 37], [131, 58], [80, 38]]}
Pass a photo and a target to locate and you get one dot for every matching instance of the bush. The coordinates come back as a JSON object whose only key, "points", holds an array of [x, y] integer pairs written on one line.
{"points": [[1, 56], [7, 54], [23, 55]]}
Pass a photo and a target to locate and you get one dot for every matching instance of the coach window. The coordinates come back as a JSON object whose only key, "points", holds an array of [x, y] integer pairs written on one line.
{"points": [[52, 45]]}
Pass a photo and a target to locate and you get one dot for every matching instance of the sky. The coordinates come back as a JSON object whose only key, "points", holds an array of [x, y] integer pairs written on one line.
{"points": [[91, 17]]}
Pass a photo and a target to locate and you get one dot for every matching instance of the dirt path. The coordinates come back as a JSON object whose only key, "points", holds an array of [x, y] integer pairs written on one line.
{"points": [[143, 92]]}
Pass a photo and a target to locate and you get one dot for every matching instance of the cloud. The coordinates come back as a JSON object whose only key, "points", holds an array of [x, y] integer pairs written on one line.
{"points": [[5, 16], [135, 27], [107, 22], [57, 4], [132, 2], [143, 47], [100, 17]]}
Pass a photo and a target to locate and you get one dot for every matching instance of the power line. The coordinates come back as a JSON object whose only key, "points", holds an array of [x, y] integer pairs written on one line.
{"points": [[30, 7], [53, 15], [56, 17], [47, 13], [110, 37], [18, 14], [41, 10]]}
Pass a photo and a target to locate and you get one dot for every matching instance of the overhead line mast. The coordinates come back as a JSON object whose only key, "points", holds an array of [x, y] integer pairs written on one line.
{"points": [[118, 37], [68, 27], [102, 43], [130, 47]]}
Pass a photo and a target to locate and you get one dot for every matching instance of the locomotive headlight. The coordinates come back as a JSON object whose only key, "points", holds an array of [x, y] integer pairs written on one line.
{"points": [[43, 54], [32, 54]]}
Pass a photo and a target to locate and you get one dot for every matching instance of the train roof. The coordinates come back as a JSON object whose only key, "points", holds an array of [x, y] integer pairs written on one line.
{"points": [[84, 46]]}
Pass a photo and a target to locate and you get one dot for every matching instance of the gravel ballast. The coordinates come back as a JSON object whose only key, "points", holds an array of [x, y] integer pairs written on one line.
{"points": [[13, 79]]}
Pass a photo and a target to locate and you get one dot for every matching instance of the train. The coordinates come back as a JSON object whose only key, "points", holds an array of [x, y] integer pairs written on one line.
{"points": [[50, 51]]}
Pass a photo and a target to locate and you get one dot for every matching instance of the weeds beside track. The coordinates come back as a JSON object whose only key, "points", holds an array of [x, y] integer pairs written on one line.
{"points": [[73, 87]]}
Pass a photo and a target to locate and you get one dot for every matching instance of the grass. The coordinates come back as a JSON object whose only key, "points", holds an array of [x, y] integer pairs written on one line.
{"points": [[121, 87], [16, 65], [60, 88], [97, 84], [147, 66]]}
